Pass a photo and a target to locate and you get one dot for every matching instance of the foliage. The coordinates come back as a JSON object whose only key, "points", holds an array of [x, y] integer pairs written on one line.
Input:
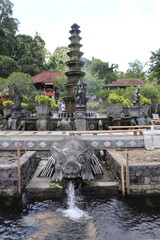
{"points": [[7, 66], [31, 107], [57, 61], [92, 105], [150, 93], [42, 99], [30, 53], [94, 84], [20, 84], [135, 70], [114, 99], [102, 70], [155, 64], [24, 105], [8, 103], [8, 28], [53, 105], [104, 93], [145, 101], [128, 93], [3, 84]]}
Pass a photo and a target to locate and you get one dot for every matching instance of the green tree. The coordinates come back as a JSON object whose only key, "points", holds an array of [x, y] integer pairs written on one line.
{"points": [[3, 84], [20, 84], [135, 70], [155, 64], [57, 61], [7, 66], [8, 28], [103, 70], [94, 84], [30, 53]]}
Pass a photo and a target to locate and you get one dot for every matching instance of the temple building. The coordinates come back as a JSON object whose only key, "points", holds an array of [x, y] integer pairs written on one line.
{"points": [[46, 82], [125, 82]]}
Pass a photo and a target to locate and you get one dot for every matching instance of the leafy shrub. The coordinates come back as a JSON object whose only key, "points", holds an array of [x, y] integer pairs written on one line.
{"points": [[8, 103], [116, 99], [42, 99], [31, 107], [24, 105], [145, 101], [92, 105], [53, 105]]}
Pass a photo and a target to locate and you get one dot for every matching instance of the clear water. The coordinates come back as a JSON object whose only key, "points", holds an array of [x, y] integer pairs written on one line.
{"points": [[112, 218]]}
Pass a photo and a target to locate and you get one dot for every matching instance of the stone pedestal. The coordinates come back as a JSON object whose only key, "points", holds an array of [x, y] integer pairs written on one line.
{"points": [[41, 124], [80, 124]]}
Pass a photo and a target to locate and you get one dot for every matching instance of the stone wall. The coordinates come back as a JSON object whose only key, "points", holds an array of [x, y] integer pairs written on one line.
{"points": [[144, 177], [9, 173]]}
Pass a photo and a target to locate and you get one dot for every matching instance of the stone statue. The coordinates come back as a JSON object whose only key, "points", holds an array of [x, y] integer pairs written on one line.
{"points": [[15, 97], [136, 96], [81, 93], [72, 159]]}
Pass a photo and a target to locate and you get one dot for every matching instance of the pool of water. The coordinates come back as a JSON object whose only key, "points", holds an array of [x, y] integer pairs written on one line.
{"points": [[111, 218]]}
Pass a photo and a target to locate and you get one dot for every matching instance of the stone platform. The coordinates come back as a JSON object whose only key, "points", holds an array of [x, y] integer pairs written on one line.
{"points": [[102, 185]]}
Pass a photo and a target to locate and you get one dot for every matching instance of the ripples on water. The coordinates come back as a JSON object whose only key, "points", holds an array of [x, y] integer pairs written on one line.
{"points": [[110, 219]]}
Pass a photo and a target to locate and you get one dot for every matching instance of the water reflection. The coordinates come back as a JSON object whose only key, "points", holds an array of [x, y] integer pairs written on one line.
{"points": [[111, 219]]}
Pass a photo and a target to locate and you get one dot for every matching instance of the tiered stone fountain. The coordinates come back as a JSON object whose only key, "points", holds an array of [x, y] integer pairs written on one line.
{"points": [[75, 100]]}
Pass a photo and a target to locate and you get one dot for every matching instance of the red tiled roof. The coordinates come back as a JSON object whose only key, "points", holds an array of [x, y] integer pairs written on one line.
{"points": [[47, 77], [127, 82]]}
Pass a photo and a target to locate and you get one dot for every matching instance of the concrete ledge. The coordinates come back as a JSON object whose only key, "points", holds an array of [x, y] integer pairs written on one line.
{"points": [[144, 176]]}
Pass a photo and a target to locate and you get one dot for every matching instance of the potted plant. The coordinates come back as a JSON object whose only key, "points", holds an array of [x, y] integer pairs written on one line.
{"points": [[54, 108], [24, 107], [7, 107], [42, 105]]}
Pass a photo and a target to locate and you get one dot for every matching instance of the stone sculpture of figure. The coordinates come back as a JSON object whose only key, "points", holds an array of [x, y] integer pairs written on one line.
{"points": [[80, 93], [136, 96], [16, 97]]}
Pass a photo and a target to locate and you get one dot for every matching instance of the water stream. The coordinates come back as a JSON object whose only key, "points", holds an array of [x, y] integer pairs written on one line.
{"points": [[81, 218], [73, 212]]}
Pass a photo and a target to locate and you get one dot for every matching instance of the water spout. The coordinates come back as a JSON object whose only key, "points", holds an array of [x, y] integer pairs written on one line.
{"points": [[73, 212]]}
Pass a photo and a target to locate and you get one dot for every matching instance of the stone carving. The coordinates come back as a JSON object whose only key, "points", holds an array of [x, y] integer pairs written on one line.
{"points": [[64, 125], [136, 96], [72, 159], [81, 93], [15, 97]]}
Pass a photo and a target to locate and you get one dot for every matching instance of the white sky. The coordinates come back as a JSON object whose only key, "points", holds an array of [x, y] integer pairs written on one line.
{"points": [[115, 31]]}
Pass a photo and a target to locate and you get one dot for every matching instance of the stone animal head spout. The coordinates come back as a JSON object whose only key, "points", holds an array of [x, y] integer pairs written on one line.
{"points": [[72, 159]]}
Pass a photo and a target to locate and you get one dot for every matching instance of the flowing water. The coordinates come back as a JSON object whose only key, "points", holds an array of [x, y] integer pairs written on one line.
{"points": [[80, 218]]}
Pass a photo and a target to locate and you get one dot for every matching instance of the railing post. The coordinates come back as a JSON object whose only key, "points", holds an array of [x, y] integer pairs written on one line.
{"points": [[19, 168], [122, 178], [127, 173]]}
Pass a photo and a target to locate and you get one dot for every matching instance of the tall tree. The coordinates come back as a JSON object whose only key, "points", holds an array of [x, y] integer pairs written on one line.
{"points": [[155, 64], [30, 53], [103, 70], [135, 70], [8, 28], [58, 59], [7, 66]]}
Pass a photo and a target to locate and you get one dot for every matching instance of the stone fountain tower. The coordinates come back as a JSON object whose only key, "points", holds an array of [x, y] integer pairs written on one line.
{"points": [[75, 101]]}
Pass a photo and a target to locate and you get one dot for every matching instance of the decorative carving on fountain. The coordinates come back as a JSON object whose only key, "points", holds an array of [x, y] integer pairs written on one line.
{"points": [[71, 158], [81, 93]]}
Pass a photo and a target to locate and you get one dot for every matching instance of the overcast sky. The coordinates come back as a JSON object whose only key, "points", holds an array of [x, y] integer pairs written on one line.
{"points": [[115, 31]]}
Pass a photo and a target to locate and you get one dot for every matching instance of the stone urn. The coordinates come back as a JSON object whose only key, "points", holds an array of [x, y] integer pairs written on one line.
{"points": [[42, 110]]}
